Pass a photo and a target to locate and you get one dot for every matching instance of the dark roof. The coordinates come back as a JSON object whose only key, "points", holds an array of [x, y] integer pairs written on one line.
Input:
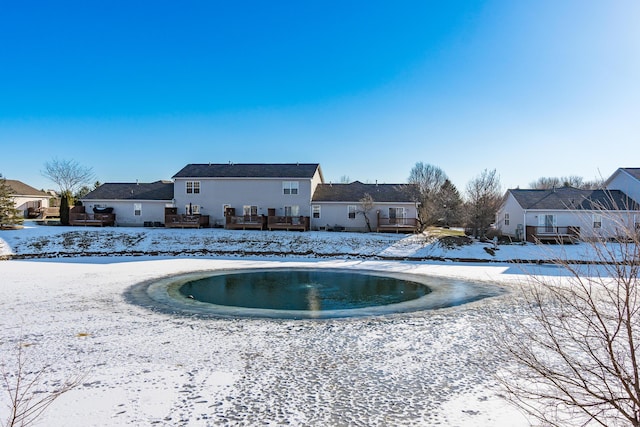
{"points": [[19, 188], [574, 199], [248, 170], [159, 190], [634, 172], [353, 192]]}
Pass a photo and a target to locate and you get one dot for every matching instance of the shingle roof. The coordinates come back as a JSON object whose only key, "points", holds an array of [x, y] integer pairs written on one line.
{"points": [[356, 190], [569, 198], [248, 170], [159, 190], [21, 189]]}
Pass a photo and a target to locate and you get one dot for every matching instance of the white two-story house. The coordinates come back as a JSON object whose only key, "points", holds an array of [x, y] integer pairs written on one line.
{"points": [[240, 195]]}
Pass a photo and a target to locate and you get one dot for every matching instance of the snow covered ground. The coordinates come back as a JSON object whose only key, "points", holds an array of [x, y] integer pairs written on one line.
{"points": [[146, 367]]}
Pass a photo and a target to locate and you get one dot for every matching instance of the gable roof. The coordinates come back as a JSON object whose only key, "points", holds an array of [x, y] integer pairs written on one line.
{"points": [[569, 198], [353, 192], [249, 170], [634, 172], [19, 188], [158, 190]]}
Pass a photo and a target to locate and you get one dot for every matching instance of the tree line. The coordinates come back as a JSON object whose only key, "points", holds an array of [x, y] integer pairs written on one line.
{"points": [[441, 204]]}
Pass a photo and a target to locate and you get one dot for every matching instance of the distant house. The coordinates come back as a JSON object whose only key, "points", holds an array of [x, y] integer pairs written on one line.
{"points": [[27, 199], [134, 204], [339, 206], [626, 180], [248, 195], [565, 214]]}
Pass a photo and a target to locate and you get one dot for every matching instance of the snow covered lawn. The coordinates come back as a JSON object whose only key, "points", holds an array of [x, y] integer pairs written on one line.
{"points": [[145, 367]]}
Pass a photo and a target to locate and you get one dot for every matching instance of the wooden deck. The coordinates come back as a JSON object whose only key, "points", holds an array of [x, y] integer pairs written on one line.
{"points": [[50, 213], [186, 221], [96, 220], [544, 234], [397, 225], [288, 223], [246, 222]]}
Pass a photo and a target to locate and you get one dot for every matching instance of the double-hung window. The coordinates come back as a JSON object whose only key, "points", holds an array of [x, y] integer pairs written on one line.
{"points": [[193, 187], [506, 219], [315, 211], [290, 187], [351, 211], [137, 209], [597, 220]]}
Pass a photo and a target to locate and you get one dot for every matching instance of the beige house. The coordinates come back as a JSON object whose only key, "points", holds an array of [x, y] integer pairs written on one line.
{"points": [[27, 199]]}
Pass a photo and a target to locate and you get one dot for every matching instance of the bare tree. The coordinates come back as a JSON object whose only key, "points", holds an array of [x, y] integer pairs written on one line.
{"points": [[26, 388], [69, 175], [366, 206], [545, 183], [573, 357], [484, 195], [428, 180]]}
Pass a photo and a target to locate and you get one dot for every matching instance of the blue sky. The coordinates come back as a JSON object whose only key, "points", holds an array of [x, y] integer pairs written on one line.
{"points": [[136, 90]]}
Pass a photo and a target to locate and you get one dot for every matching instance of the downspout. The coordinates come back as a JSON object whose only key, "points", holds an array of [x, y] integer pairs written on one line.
{"points": [[524, 226]]}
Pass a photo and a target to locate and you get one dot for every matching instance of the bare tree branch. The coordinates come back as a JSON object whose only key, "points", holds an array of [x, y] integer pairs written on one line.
{"points": [[572, 358]]}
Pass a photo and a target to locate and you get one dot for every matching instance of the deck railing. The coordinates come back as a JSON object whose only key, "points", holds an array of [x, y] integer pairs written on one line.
{"points": [[398, 222], [555, 231]]}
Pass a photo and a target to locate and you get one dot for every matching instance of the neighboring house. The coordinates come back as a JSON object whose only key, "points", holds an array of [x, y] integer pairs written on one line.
{"points": [[626, 180], [27, 199], [565, 214], [339, 206], [244, 195], [134, 204]]}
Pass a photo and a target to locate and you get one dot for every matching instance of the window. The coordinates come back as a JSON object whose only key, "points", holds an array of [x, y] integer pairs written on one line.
{"points": [[137, 209], [193, 187], [597, 220], [291, 211], [224, 209], [290, 187], [506, 219], [250, 210], [315, 211], [351, 211]]}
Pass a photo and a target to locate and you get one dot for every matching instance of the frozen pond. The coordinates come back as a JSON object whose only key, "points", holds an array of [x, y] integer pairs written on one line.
{"points": [[305, 293]]}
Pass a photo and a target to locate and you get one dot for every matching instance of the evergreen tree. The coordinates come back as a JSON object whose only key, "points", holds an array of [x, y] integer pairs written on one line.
{"points": [[9, 215], [66, 202], [448, 205]]}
